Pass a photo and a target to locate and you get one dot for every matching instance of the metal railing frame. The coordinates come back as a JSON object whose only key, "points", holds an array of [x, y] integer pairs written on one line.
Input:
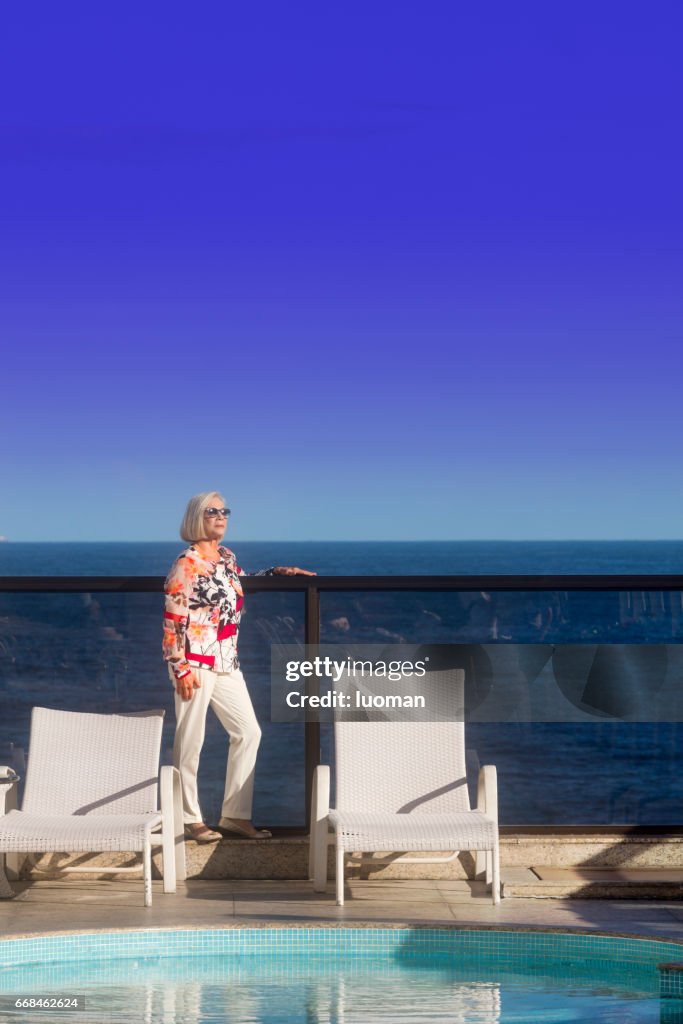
{"points": [[313, 586]]}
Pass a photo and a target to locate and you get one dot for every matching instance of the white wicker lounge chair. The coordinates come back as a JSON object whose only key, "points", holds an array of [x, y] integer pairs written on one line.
{"points": [[402, 786], [91, 786]]}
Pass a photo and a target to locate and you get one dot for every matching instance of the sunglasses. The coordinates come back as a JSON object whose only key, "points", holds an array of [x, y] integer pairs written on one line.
{"points": [[214, 513]]}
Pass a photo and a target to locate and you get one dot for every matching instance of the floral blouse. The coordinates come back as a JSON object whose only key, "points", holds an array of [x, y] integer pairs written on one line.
{"points": [[203, 608]]}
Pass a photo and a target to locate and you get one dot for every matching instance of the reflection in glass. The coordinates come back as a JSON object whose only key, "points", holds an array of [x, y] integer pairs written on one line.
{"points": [[591, 765], [101, 652]]}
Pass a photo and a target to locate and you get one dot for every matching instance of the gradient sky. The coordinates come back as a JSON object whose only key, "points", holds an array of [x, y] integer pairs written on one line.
{"points": [[373, 270]]}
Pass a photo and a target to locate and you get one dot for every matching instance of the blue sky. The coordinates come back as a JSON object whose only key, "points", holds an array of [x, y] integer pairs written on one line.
{"points": [[379, 271]]}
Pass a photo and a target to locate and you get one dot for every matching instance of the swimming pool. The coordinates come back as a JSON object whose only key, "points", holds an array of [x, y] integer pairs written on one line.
{"points": [[282, 975]]}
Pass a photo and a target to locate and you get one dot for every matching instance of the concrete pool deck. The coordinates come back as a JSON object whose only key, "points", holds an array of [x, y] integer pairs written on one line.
{"points": [[71, 905]]}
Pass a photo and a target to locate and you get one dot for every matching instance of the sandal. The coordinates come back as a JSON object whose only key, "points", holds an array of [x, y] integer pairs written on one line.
{"points": [[229, 828], [201, 833]]}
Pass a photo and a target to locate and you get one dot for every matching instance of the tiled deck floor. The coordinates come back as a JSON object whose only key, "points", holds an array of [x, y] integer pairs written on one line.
{"points": [[73, 905]]}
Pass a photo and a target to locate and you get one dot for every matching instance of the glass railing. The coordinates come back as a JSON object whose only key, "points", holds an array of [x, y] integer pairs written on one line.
{"points": [[573, 684]]}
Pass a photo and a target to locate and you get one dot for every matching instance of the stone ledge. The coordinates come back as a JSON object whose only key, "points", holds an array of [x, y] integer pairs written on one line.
{"points": [[287, 858], [602, 850]]}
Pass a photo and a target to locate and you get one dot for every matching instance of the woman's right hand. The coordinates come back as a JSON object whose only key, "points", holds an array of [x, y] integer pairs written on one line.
{"points": [[186, 686]]}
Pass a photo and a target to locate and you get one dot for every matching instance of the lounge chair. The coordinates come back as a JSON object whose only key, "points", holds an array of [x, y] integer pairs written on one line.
{"points": [[91, 786], [402, 786]]}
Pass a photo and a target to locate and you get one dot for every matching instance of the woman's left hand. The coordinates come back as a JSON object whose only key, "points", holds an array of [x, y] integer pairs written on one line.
{"points": [[292, 570]]}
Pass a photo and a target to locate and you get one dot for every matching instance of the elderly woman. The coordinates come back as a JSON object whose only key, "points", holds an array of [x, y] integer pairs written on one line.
{"points": [[203, 607]]}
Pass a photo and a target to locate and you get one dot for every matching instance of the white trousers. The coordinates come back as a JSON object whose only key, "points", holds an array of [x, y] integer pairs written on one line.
{"points": [[227, 694]]}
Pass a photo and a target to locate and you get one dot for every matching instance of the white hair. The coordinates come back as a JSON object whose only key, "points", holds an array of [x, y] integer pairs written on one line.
{"points": [[192, 527]]}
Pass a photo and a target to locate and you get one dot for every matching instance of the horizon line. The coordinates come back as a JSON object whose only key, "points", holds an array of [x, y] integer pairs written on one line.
{"points": [[374, 540]]}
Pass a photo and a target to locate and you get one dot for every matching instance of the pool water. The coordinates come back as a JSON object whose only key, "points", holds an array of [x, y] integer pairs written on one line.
{"points": [[332, 976]]}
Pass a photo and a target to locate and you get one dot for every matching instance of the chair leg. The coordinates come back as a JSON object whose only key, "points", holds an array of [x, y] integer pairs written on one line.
{"points": [[168, 857], [6, 890], [319, 856], [179, 828], [8, 802], [495, 873], [489, 867], [319, 837], [340, 876], [13, 862], [147, 870], [168, 853]]}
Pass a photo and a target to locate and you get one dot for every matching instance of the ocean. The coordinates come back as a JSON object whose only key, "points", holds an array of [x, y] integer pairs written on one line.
{"points": [[354, 558], [100, 652]]}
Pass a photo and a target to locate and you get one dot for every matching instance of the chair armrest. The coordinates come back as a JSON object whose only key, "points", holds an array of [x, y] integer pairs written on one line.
{"points": [[320, 806], [11, 861], [171, 800], [320, 803], [487, 791], [8, 791]]}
